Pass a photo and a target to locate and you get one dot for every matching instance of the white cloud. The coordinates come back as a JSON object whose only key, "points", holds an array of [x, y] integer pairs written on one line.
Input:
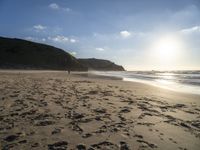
{"points": [[43, 39], [73, 41], [195, 29], [54, 6], [58, 38], [73, 53], [39, 27], [100, 49], [125, 34], [66, 9], [62, 39]]}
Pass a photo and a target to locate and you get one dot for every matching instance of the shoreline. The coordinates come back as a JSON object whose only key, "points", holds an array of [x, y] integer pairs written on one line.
{"points": [[98, 76], [87, 75], [91, 76], [41, 110], [160, 82]]}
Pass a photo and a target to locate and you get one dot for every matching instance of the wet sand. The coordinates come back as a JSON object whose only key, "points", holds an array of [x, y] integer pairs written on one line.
{"points": [[51, 110]]}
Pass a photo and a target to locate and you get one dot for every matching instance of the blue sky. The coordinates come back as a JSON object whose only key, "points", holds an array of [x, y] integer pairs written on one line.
{"points": [[129, 32]]}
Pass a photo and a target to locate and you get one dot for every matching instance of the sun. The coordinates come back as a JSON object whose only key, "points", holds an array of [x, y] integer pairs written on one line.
{"points": [[166, 48]]}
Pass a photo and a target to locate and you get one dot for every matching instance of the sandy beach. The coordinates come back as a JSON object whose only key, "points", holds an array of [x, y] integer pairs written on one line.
{"points": [[51, 110]]}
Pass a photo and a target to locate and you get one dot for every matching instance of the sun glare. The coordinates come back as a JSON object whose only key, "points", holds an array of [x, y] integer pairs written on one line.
{"points": [[166, 49]]}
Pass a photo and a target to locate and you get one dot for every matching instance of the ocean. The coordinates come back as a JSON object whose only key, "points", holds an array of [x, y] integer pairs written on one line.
{"points": [[181, 81]]}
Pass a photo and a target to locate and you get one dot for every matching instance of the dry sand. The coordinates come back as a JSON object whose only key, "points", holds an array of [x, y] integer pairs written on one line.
{"points": [[51, 110]]}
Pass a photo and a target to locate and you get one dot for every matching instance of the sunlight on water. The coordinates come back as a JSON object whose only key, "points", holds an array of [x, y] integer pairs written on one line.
{"points": [[168, 85], [181, 81], [166, 76], [162, 81]]}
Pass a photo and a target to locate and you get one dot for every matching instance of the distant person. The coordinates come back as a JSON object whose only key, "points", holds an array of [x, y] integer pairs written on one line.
{"points": [[68, 70], [69, 64]]}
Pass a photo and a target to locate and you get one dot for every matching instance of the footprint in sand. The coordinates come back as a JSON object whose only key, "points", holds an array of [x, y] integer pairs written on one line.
{"points": [[11, 138], [151, 145], [62, 145], [81, 147], [104, 145], [124, 146], [56, 131]]}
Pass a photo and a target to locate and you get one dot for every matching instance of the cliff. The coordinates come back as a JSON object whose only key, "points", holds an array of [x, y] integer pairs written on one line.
{"points": [[100, 65], [22, 54]]}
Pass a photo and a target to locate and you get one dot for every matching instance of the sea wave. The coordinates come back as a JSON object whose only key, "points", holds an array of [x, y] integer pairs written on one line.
{"points": [[183, 81]]}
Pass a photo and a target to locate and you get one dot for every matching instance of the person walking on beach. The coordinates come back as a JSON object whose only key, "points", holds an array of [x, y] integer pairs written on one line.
{"points": [[69, 63]]}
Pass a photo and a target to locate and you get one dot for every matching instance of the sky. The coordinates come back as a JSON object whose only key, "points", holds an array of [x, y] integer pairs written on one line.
{"points": [[137, 34]]}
